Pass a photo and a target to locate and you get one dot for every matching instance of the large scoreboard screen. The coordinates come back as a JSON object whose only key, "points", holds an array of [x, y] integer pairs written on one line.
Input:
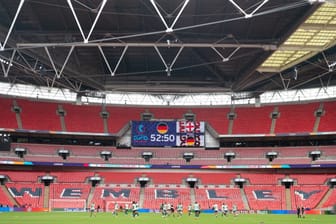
{"points": [[168, 133]]}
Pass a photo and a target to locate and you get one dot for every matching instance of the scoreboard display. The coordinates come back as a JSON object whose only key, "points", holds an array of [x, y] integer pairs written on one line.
{"points": [[167, 133]]}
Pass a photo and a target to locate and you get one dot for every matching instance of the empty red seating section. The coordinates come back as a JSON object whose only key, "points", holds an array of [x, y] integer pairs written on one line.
{"points": [[310, 179], [83, 118], [328, 121], [273, 197], [23, 176], [119, 177], [307, 196], [215, 178], [39, 116], [252, 120], [4, 200], [168, 178], [263, 190], [296, 118], [331, 199], [8, 119], [71, 177], [32, 199], [216, 117], [120, 116], [262, 179]]}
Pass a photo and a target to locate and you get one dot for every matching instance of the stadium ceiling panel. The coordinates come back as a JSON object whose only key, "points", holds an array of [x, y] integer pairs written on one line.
{"points": [[315, 35], [167, 47]]}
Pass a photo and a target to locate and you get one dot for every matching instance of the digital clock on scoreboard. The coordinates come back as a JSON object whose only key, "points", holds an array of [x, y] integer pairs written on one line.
{"points": [[167, 133]]}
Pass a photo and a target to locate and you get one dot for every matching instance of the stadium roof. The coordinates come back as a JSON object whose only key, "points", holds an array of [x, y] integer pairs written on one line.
{"points": [[175, 46]]}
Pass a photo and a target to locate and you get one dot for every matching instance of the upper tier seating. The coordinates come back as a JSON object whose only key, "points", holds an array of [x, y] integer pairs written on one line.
{"points": [[38, 115], [8, 118], [252, 120], [296, 118], [83, 118], [328, 121]]}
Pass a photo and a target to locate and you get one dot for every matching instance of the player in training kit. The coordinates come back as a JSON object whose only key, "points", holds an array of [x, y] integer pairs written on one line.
{"points": [[225, 209], [215, 209], [135, 208], [197, 209], [179, 209], [92, 209]]}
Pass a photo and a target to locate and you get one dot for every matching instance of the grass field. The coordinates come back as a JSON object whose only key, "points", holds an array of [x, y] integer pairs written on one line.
{"points": [[150, 218]]}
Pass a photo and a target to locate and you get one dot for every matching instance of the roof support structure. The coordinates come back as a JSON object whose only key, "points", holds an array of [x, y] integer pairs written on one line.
{"points": [[163, 61], [66, 61], [86, 38], [176, 56], [105, 60], [121, 57], [58, 74], [224, 59], [248, 15], [266, 47], [285, 82], [332, 65], [168, 66], [2, 46], [170, 28], [27, 63], [108, 64], [9, 64]]}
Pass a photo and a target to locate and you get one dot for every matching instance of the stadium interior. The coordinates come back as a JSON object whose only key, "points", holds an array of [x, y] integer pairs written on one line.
{"points": [[67, 153]]}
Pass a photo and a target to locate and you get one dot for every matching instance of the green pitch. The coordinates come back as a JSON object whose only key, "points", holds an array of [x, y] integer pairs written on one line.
{"points": [[150, 218]]}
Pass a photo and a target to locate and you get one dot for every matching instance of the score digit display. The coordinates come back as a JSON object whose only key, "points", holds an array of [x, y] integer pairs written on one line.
{"points": [[167, 133]]}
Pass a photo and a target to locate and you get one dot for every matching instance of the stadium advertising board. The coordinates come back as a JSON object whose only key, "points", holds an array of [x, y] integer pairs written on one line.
{"points": [[167, 133]]}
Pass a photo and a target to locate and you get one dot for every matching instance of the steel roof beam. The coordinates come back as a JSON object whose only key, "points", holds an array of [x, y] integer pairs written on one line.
{"points": [[153, 44], [108, 64], [169, 67], [2, 46], [248, 15], [86, 38], [9, 64], [224, 59], [170, 28]]}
